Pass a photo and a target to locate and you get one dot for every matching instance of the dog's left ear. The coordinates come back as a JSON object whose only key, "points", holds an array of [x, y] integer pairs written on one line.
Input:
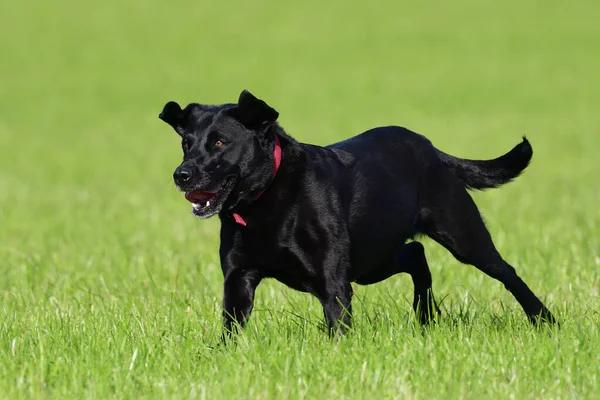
{"points": [[254, 113], [172, 114]]}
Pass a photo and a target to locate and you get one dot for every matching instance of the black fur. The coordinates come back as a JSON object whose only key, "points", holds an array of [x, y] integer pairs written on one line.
{"points": [[336, 214], [487, 174]]}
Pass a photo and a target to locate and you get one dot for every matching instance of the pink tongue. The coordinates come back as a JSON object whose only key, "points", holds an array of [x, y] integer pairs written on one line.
{"points": [[198, 195]]}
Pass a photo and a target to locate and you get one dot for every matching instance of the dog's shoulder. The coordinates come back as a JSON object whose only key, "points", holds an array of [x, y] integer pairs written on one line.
{"points": [[319, 153], [347, 159]]}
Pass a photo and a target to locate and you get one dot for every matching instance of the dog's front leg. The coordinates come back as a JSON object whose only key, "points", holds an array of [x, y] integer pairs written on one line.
{"points": [[337, 307], [238, 298], [336, 297]]}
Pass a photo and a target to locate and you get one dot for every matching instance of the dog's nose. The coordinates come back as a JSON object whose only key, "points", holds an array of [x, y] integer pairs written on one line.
{"points": [[182, 175]]}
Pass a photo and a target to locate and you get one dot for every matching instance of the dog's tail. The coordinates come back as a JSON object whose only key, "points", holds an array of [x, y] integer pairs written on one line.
{"points": [[487, 174]]}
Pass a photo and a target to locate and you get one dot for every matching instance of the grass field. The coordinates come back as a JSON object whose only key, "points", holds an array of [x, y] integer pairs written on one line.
{"points": [[109, 288]]}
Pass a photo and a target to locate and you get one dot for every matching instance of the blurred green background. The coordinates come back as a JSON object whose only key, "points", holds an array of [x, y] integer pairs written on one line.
{"points": [[96, 243]]}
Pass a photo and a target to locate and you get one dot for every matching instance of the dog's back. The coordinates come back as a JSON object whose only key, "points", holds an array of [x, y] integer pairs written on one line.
{"points": [[388, 146]]}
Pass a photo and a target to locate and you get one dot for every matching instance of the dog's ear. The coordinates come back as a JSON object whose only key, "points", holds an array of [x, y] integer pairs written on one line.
{"points": [[172, 114], [254, 113]]}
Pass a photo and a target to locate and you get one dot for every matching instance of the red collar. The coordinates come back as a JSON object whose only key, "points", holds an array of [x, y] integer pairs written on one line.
{"points": [[277, 157]]}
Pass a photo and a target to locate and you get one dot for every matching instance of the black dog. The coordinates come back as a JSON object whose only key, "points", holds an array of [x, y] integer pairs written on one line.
{"points": [[318, 218]]}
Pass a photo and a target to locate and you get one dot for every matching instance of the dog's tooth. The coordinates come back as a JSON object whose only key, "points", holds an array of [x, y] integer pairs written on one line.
{"points": [[207, 203], [196, 206]]}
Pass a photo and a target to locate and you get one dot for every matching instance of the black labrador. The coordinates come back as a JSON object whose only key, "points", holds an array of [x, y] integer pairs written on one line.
{"points": [[318, 218]]}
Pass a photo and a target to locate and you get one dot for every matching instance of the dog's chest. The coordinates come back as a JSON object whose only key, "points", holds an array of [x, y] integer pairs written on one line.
{"points": [[285, 259]]}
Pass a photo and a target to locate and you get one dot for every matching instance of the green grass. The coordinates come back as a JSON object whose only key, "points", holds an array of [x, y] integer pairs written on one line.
{"points": [[109, 288]]}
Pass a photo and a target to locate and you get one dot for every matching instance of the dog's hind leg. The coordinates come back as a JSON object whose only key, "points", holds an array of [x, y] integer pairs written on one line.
{"points": [[409, 258], [412, 257], [453, 220]]}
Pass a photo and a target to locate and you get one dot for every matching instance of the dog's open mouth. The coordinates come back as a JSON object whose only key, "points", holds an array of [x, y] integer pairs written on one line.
{"points": [[200, 199], [206, 203]]}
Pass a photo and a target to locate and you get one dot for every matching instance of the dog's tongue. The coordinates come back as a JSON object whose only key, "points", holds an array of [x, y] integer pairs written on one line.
{"points": [[198, 195]]}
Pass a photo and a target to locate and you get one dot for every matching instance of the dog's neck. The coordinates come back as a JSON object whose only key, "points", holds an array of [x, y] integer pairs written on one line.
{"points": [[276, 163]]}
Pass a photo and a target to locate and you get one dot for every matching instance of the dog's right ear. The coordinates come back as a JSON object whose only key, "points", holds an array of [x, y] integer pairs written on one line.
{"points": [[172, 114]]}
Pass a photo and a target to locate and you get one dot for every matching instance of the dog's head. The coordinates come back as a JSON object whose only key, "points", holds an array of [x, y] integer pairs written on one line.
{"points": [[227, 151]]}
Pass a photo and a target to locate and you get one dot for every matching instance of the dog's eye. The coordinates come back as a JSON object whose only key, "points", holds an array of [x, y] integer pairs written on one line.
{"points": [[186, 146], [219, 143]]}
